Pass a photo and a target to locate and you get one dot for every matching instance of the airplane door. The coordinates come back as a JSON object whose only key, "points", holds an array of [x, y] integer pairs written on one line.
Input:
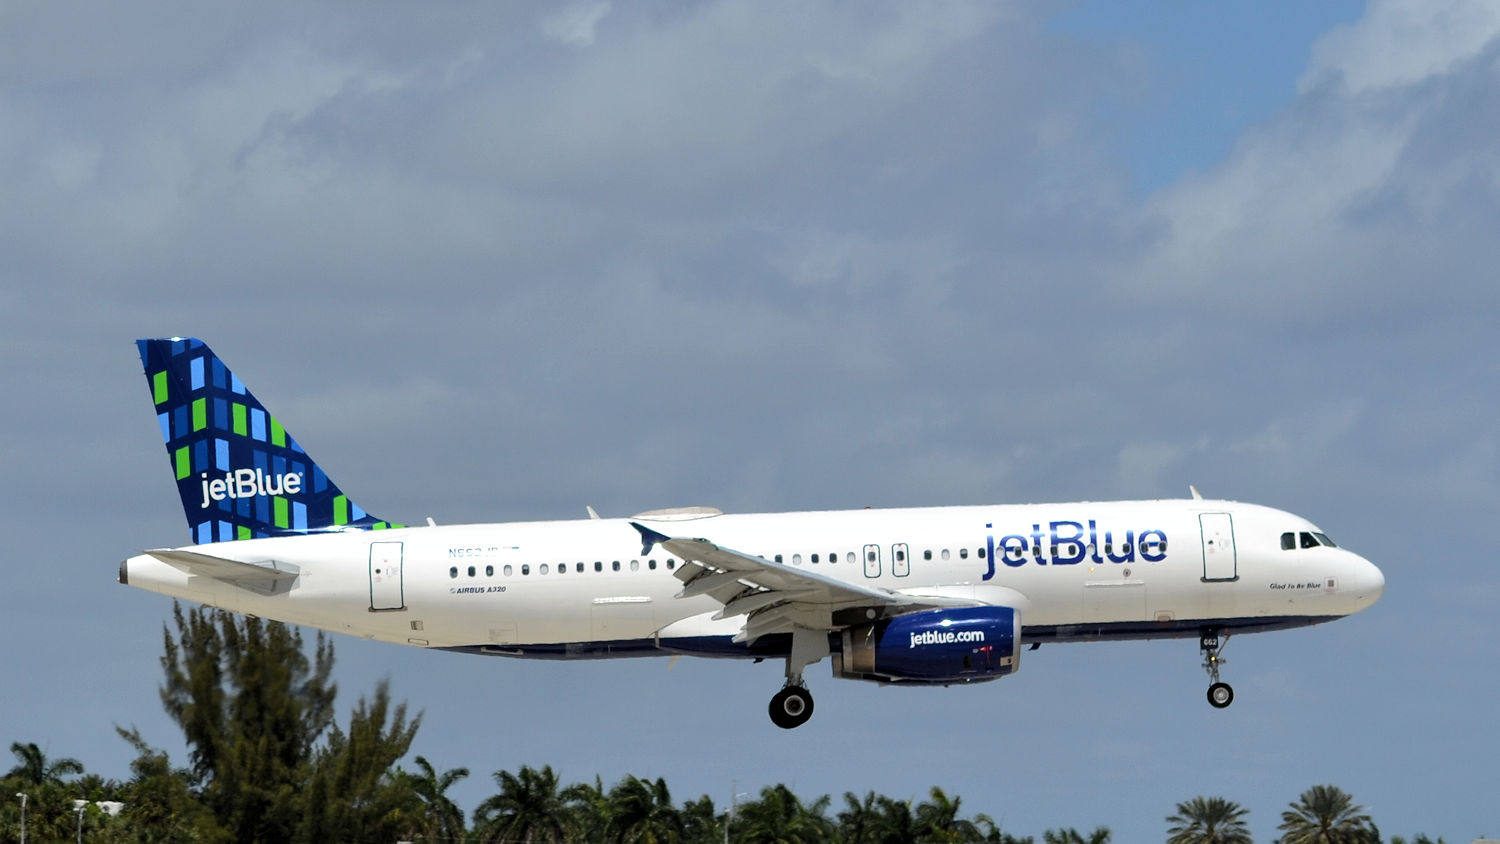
{"points": [[872, 561], [385, 577], [1219, 557], [900, 565]]}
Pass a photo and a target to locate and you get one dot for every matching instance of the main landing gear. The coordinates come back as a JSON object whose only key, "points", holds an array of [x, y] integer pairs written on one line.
{"points": [[793, 705], [1212, 644]]}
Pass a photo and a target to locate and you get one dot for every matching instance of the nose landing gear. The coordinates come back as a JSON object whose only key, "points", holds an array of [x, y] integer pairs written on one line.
{"points": [[1212, 644]]}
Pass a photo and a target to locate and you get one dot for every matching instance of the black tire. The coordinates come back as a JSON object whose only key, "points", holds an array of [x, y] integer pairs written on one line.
{"points": [[1220, 695], [791, 707]]}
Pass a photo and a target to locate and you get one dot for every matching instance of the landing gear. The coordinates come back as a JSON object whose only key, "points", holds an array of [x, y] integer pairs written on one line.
{"points": [[1210, 643], [791, 707]]}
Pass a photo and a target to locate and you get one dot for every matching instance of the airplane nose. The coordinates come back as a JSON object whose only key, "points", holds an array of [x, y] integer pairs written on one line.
{"points": [[1366, 581]]}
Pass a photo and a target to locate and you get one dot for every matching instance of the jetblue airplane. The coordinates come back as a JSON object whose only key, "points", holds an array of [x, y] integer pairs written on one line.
{"points": [[928, 596]]}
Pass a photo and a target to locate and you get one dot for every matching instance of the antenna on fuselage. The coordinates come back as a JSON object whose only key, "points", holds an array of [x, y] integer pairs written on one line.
{"points": [[592, 514], [1197, 496]]}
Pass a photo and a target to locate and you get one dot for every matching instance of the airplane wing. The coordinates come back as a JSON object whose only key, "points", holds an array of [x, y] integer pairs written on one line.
{"points": [[772, 596], [268, 578]]}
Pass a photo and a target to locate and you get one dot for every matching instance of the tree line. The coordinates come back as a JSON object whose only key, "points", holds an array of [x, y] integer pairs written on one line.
{"points": [[267, 764]]}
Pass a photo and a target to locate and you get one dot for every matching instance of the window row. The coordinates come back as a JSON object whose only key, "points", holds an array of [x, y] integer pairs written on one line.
{"points": [[509, 569], [872, 556]]}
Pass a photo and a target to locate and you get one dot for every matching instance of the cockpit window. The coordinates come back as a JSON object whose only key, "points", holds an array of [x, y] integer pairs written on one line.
{"points": [[1308, 539]]}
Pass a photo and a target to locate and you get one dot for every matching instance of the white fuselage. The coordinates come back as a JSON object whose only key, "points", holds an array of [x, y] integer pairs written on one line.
{"points": [[1089, 570]]}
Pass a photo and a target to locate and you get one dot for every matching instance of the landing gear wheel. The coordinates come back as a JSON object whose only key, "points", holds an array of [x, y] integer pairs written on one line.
{"points": [[1220, 695], [791, 707]]}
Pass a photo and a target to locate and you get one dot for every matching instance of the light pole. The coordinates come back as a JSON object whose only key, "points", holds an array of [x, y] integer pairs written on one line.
{"points": [[79, 810], [22, 795]]}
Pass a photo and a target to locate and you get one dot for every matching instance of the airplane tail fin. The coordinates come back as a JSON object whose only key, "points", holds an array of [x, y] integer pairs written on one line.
{"points": [[238, 471]]}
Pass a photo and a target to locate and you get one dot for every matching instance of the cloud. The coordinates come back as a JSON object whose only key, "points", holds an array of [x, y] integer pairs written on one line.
{"points": [[575, 26]]}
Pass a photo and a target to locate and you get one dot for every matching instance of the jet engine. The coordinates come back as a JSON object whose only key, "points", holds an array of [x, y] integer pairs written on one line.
{"points": [[935, 647]]}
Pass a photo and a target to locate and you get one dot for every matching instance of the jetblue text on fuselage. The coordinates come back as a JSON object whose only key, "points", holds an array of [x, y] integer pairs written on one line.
{"points": [[1067, 542], [248, 483]]}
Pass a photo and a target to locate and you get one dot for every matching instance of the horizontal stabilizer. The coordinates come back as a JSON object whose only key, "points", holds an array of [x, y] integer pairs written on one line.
{"points": [[268, 578]]}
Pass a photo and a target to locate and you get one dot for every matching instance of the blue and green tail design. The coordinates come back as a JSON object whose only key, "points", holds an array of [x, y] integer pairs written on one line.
{"points": [[239, 472]]}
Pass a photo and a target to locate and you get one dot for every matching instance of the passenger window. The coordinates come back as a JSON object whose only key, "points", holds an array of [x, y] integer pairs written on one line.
{"points": [[671, 564], [651, 564], [507, 570], [543, 569], [562, 568], [525, 569], [815, 558], [963, 553], [489, 571], [615, 566], [927, 555], [453, 571], [980, 552], [635, 565], [579, 569], [1288, 541], [849, 557], [900, 555], [796, 559], [944, 554], [778, 558], [471, 571]]}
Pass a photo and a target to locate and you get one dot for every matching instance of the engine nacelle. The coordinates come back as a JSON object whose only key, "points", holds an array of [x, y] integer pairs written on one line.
{"points": [[942, 646]]}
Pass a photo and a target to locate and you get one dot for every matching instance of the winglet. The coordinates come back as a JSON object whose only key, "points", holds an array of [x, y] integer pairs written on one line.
{"points": [[649, 538]]}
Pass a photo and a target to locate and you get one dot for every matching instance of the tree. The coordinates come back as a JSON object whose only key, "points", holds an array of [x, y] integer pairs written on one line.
{"points": [[35, 769], [858, 822], [1325, 814], [938, 820], [251, 707], [1208, 820], [778, 817], [1100, 835], [528, 810], [353, 793], [701, 824], [643, 813], [440, 818]]}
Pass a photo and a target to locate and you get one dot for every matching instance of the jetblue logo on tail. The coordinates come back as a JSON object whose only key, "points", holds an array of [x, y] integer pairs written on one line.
{"points": [[248, 483]]}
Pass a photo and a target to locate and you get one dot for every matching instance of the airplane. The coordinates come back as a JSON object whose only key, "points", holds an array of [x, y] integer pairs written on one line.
{"points": [[914, 596]]}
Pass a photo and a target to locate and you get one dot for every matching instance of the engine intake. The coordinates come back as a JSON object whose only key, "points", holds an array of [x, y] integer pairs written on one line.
{"points": [[942, 646]]}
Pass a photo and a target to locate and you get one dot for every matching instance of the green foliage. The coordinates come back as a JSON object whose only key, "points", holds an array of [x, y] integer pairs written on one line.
{"points": [[1208, 820], [1325, 814]]}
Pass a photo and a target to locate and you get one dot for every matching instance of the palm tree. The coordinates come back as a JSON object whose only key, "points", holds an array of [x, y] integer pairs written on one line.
{"points": [[894, 822], [1208, 820], [1101, 835], [644, 813], [441, 818], [528, 810], [857, 823], [1325, 814], [938, 820], [778, 817], [589, 810], [36, 770]]}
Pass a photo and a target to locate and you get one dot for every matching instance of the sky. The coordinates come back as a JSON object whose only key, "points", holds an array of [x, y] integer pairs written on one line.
{"points": [[504, 261]]}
